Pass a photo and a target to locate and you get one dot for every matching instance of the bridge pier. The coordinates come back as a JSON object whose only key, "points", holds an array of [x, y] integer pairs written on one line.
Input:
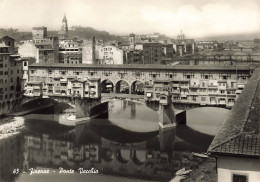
{"points": [[167, 118], [84, 106], [167, 122]]}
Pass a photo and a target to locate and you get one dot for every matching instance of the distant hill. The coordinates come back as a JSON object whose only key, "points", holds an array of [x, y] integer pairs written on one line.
{"points": [[251, 36], [87, 32], [76, 31], [14, 33]]}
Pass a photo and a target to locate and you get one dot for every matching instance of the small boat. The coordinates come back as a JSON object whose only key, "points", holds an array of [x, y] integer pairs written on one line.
{"points": [[71, 117], [179, 172], [187, 172], [200, 155], [182, 172]]}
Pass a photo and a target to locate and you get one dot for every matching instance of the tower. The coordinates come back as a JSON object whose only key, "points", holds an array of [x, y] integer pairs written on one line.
{"points": [[181, 36], [63, 33], [132, 41]]}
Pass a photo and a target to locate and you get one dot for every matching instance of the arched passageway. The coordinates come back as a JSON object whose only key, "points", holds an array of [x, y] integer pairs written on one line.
{"points": [[122, 87], [137, 88], [107, 86]]}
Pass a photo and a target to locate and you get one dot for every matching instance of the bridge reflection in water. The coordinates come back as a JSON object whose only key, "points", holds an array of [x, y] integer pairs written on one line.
{"points": [[114, 148]]}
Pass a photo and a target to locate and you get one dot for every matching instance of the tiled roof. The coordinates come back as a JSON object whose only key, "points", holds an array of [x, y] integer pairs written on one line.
{"points": [[138, 66], [239, 134], [3, 45], [243, 144], [1, 37]]}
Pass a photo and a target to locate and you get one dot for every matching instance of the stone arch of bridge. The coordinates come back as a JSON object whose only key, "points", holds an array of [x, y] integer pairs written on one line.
{"points": [[122, 86], [139, 157], [107, 86], [123, 156], [137, 87]]}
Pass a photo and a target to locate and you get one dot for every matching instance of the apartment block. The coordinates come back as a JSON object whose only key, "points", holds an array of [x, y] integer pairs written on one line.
{"points": [[70, 52], [152, 52], [10, 75], [202, 88]]}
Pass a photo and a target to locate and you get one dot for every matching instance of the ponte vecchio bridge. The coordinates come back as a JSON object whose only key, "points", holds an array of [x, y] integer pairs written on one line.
{"points": [[181, 84], [194, 85]]}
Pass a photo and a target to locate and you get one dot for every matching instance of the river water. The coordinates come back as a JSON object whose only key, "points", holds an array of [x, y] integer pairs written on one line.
{"points": [[124, 144]]}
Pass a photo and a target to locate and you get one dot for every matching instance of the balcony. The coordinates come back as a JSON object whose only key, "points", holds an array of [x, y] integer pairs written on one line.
{"points": [[176, 91], [231, 88], [222, 101], [194, 86], [240, 86], [213, 103], [212, 93], [194, 93], [213, 86], [203, 86], [240, 81], [239, 91], [36, 87]]}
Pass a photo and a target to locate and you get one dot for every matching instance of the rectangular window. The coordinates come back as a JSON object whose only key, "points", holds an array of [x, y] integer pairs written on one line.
{"points": [[92, 72], [203, 99], [240, 178], [188, 75], [154, 74], [206, 75], [106, 72], [225, 76], [63, 72], [171, 75]]}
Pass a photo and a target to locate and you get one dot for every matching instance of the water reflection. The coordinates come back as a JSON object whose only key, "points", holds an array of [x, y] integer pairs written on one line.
{"points": [[140, 159], [109, 147]]}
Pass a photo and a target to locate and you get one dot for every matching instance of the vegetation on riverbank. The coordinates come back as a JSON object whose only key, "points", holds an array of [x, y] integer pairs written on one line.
{"points": [[206, 172]]}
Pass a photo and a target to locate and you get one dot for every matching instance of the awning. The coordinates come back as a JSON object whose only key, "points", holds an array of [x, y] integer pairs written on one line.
{"points": [[149, 94]]}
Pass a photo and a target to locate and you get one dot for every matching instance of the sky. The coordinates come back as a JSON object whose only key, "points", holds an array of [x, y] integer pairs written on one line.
{"points": [[196, 18]]}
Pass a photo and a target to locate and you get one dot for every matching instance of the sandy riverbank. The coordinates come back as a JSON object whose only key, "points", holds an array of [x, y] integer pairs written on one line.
{"points": [[11, 126]]}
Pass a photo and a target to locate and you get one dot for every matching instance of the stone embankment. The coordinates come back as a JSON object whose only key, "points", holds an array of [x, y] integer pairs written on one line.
{"points": [[12, 127]]}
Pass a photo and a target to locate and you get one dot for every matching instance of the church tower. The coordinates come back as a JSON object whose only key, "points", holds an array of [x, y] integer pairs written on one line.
{"points": [[63, 33], [132, 41]]}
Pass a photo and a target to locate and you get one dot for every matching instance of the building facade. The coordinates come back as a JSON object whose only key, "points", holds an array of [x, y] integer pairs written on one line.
{"points": [[89, 51], [70, 52], [152, 52], [183, 46], [133, 57], [48, 49], [111, 55], [39, 32], [10, 75]]}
